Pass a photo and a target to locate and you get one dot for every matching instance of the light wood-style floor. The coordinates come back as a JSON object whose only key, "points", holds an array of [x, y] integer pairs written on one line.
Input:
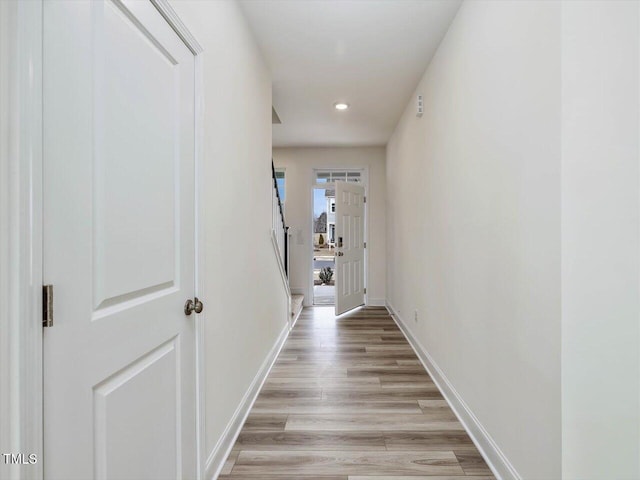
{"points": [[348, 399]]}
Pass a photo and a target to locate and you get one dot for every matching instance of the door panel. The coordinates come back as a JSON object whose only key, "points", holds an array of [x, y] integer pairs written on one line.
{"points": [[123, 400], [135, 227], [119, 361], [349, 256]]}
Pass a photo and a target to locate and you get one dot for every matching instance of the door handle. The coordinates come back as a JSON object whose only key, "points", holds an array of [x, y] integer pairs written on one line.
{"points": [[194, 305], [189, 307], [340, 254], [198, 305]]}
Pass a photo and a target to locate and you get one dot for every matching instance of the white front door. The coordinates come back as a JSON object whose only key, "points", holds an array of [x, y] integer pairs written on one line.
{"points": [[119, 233], [349, 246]]}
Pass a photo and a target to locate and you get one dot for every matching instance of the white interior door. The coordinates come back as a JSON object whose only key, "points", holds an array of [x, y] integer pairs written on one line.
{"points": [[119, 360], [349, 246]]}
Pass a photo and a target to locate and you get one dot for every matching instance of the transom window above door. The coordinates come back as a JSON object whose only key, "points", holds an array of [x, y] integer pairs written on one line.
{"points": [[338, 175]]}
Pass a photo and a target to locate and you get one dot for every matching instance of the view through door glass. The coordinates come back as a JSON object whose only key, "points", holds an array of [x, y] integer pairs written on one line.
{"points": [[324, 246]]}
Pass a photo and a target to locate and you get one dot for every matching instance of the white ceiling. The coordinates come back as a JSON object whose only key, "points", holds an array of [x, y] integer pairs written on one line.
{"points": [[368, 53]]}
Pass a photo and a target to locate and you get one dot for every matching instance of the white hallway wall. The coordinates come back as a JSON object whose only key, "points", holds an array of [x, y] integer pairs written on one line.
{"points": [[245, 302], [600, 240], [474, 223], [299, 164], [521, 187]]}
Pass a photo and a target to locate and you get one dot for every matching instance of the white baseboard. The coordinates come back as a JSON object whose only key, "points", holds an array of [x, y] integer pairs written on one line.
{"points": [[221, 451], [495, 458], [294, 320], [376, 302]]}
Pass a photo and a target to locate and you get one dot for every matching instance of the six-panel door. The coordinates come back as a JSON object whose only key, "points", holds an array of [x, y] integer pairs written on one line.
{"points": [[350, 246]]}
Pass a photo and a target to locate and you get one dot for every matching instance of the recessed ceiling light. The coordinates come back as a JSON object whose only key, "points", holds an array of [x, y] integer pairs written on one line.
{"points": [[341, 106]]}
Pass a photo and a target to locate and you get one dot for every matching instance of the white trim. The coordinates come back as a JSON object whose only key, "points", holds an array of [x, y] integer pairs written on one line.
{"points": [[376, 302], [496, 460], [200, 206], [174, 21], [332, 170], [221, 451], [21, 235], [180, 28]]}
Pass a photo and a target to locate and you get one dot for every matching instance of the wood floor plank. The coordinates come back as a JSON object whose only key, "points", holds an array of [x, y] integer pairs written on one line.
{"points": [[434, 440], [382, 394], [348, 399], [409, 378], [389, 348], [295, 371], [408, 362], [433, 404], [319, 382], [400, 382], [472, 462], [257, 421], [231, 460], [364, 361], [418, 477], [314, 441], [332, 407], [282, 391], [260, 476], [349, 463], [366, 423], [394, 355], [349, 349], [418, 371]]}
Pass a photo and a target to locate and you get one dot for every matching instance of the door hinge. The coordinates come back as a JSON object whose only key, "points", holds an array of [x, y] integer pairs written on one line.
{"points": [[365, 244], [365, 290], [47, 305], [364, 199]]}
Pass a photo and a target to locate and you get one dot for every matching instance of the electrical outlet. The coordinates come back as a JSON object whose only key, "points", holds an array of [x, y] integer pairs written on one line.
{"points": [[415, 316]]}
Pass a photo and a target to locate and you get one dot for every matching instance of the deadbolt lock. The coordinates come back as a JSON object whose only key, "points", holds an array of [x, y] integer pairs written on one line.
{"points": [[194, 305]]}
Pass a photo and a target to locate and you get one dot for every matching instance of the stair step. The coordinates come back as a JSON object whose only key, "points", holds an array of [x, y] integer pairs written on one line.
{"points": [[296, 304]]}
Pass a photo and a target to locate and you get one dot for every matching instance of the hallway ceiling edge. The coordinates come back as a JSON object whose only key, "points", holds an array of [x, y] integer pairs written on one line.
{"points": [[370, 54]]}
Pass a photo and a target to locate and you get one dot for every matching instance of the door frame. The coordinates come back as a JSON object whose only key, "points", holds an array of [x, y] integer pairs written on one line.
{"points": [[21, 232], [364, 175]]}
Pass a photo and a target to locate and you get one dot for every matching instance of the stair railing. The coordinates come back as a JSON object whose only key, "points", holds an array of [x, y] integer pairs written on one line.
{"points": [[279, 226]]}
